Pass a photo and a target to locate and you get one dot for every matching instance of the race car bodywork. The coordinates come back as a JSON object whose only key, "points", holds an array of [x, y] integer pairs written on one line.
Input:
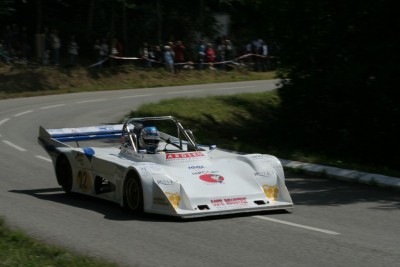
{"points": [[181, 179]]}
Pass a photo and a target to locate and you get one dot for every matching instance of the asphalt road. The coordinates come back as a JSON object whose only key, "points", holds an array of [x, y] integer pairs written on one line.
{"points": [[334, 223]]}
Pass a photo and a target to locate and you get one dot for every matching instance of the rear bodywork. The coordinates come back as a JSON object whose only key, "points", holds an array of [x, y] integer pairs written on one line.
{"points": [[182, 179]]}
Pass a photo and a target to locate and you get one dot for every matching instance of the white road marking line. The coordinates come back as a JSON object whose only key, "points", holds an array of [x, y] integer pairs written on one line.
{"points": [[54, 106], [298, 225], [43, 158], [23, 113], [13, 145], [88, 101], [184, 92], [232, 88], [3, 121], [134, 96]]}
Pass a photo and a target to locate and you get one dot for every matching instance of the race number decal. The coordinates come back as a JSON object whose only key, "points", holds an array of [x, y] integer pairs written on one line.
{"points": [[84, 180]]}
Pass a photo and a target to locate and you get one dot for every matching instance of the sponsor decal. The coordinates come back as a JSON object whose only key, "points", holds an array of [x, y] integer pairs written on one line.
{"points": [[257, 156], [160, 201], [238, 201], [172, 156], [165, 182], [212, 178], [271, 192], [264, 173], [174, 199], [197, 167], [84, 181]]}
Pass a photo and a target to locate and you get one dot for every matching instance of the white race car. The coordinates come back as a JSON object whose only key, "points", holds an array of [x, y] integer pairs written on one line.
{"points": [[152, 171]]}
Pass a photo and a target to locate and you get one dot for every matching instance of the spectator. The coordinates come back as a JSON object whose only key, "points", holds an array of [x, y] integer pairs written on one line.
{"points": [[73, 49], [116, 50], [4, 53], [97, 51], [101, 51], [200, 53], [144, 54], [210, 55], [56, 46], [169, 58], [26, 48], [264, 54], [179, 51], [158, 55]]}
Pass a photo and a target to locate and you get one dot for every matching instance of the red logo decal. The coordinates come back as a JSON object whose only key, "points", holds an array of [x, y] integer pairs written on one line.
{"points": [[183, 155], [212, 178]]}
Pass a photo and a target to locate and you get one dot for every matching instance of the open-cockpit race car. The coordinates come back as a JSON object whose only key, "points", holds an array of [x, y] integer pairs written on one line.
{"points": [[142, 167]]}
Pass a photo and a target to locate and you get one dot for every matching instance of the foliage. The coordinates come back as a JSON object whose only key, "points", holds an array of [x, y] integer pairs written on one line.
{"points": [[340, 60]]}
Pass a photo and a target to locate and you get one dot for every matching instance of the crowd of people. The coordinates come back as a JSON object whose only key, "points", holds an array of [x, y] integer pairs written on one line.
{"points": [[15, 45]]}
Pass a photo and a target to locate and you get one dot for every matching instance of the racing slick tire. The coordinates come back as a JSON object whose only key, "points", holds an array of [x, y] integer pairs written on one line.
{"points": [[64, 173], [133, 193]]}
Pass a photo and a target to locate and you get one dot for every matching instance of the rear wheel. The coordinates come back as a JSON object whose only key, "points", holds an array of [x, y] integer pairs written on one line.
{"points": [[64, 173], [133, 193]]}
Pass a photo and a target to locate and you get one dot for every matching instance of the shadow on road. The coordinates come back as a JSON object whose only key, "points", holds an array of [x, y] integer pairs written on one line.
{"points": [[113, 211], [307, 190]]}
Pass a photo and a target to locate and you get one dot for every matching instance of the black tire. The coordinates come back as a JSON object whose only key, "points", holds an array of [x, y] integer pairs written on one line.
{"points": [[133, 193], [64, 173]]}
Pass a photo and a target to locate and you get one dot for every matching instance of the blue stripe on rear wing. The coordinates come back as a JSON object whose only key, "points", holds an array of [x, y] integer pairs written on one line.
{"points": [[86, 133]]}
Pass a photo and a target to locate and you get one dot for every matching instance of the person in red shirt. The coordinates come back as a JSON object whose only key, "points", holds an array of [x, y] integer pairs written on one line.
{"points": [[179, 50], [210, 55]]}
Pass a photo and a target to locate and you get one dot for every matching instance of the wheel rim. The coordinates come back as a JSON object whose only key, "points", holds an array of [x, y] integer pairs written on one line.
{"points": [[132, 194]]}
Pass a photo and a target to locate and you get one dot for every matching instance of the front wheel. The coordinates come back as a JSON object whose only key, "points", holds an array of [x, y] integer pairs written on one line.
{"points": [[133, 193]]}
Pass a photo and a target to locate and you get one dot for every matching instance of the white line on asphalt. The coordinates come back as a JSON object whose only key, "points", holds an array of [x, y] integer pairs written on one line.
{"points": [[23, 113], [13, 145], [3, 121], [233, 88], [184, 92], [54, 106], [134, 96], [298, 225], [43, 158], [88, 101]]}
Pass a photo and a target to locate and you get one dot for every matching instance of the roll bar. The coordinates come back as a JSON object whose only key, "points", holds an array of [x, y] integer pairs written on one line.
{"points": [[130, 125]]}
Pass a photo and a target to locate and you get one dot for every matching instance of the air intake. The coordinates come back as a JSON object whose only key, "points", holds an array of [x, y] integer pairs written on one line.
{"points": [[260, 202]]}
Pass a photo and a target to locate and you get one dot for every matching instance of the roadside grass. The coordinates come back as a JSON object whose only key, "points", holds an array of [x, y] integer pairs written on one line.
{"points": [[26, 80], [17, 249]]}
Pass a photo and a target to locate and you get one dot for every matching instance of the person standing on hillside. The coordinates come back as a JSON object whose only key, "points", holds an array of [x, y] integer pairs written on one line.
{"points": [[169, 58], [56, 46], [73, 49], [210, 55], [179, 51]]}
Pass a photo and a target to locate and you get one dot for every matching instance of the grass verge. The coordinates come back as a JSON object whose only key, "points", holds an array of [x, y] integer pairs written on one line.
{"points": [[25, 80], [17, 249]]}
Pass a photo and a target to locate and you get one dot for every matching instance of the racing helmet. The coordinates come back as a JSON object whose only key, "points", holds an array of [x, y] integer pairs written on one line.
{"points": [[149, 139]]}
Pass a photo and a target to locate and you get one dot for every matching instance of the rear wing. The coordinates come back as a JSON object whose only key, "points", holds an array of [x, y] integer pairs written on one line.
{"points": [[81, 133]]}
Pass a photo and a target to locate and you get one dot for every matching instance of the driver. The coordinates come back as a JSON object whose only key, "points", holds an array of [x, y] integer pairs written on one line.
{"points": [[149, 139]]}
